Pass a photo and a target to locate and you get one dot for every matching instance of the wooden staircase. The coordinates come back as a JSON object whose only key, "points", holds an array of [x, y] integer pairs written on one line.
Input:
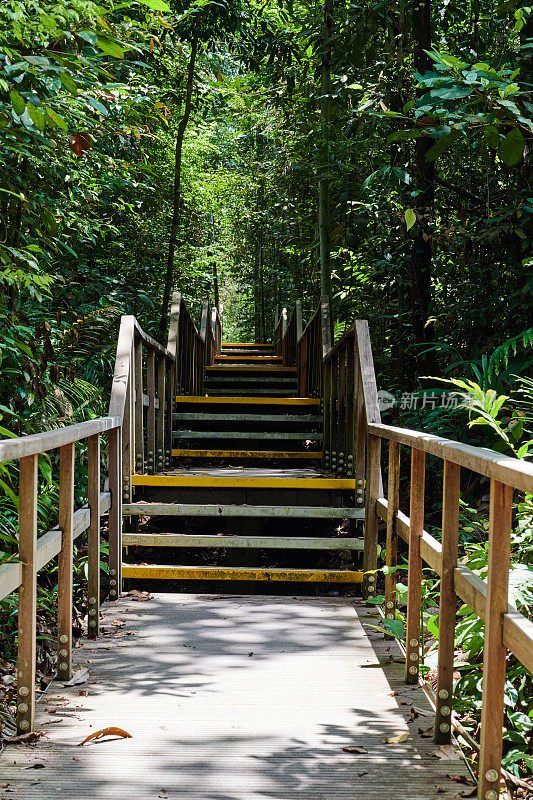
{"points": [[244, 484]]}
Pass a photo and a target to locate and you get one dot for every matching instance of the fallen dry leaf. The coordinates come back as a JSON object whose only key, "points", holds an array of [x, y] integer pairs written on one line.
{"points": [[426, 734], [393, 694], [24, 738], [471, 793], [38, 765], [81, 676], [397, 739], [440, 789], [75, 758], [446, 752], [135, 594], [107, 732], [355, 749], [458, 779]]}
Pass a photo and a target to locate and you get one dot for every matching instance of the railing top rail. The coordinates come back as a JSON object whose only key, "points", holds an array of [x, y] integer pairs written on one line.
{"points": [[204, 325], [346, 336], [311, 321], [506, 469], [35, 443], [150, 342], [188, 315]]}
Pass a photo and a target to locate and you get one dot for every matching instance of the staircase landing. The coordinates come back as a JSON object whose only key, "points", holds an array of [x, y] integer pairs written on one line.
{"points": [[236, 698]]}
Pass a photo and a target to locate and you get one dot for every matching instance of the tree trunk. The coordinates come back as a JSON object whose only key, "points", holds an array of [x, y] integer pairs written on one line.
{"points": [[261, 287], [323, 184], [176, 197], [424, 170]]}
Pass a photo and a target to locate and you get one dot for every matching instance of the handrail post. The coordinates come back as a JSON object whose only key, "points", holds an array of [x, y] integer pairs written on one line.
{"points": [[160, 425], [301, 349], [93, 535], [393, 491], [27, 604], [151, 413], [283, 341], [299, 319], [414, 588], [114, 447], [168, 409], [139, 429], [448, 601], [370, 553], [65, 562], [495, 652], [127, 437], [359, 428]]}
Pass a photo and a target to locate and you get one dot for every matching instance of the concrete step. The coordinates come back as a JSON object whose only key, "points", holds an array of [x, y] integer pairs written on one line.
{"points": [[227, 510], [248, 435]]}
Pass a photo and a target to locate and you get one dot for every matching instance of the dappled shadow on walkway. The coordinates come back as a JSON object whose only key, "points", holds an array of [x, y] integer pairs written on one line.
{"points": [[237, 698]]}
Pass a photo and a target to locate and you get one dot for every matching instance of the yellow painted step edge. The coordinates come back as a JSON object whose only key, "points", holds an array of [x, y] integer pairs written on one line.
{"points": [[255, 401], [147, 571], [305, 455], [251, 368], [170, 481]]}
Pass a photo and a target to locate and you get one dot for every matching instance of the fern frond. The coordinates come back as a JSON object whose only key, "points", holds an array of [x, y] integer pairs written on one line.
{"points": [[89, 335], [500, 357]]}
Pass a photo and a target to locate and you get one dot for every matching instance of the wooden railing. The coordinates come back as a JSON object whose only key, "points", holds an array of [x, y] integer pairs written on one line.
{"points": [[125, 446], [139, 430], [216, 329], [192, 350], [353, 432], [506, 629], [288, 344], [312, 346], [350, 404], [280, 328]]}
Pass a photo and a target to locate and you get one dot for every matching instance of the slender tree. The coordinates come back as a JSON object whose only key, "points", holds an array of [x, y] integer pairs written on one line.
{"points": [[176, 195], [424, 171], [323, 183]]}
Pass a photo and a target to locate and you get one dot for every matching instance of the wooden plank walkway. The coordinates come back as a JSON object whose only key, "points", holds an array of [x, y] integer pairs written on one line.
{"points": [[234, 698]]}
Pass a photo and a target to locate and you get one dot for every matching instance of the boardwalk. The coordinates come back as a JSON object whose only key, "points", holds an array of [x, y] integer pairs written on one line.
{"points": [[235, 698]]}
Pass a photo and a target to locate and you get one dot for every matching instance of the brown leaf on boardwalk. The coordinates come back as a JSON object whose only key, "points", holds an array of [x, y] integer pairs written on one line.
{"points": [[355, 749], [135, 594], [106, 732], [24, 738], [426, 734], [459, 779], [446, 752], [397, 739]]}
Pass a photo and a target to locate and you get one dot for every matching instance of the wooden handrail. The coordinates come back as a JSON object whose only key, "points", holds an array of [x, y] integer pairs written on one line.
{"points": [[506, 629], [22, 446], [353, 435], [288, 333], [127, 444], [506, 469]]}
